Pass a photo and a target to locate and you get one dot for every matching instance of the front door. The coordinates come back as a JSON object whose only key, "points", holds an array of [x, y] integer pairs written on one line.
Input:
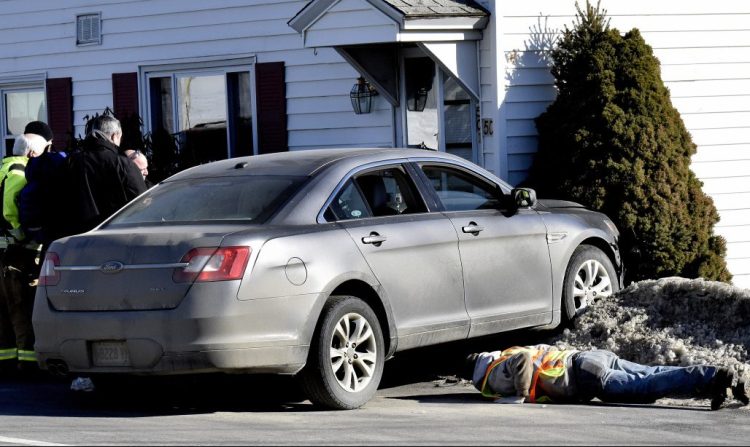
{"points": [[506, 265], [438, 113]]}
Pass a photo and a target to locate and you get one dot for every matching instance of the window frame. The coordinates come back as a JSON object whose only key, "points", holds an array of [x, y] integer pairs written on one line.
{"points": [[402, 164], [209, 67], [33, 83], [427, 184]]}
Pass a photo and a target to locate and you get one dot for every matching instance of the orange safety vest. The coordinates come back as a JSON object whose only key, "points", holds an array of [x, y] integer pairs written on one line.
{"points": [[548, 365]]}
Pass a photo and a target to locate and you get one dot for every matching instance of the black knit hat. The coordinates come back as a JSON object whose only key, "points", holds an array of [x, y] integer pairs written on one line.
{"points": [[39, 128], [467, 372]]}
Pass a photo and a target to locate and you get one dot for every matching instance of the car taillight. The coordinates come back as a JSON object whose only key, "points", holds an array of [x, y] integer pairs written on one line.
{"points": [[48, 276], [213, 264]]}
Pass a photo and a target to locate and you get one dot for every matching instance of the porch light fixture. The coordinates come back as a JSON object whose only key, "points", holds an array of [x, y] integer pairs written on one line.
{"points": [[361, 96], [418, 100]]}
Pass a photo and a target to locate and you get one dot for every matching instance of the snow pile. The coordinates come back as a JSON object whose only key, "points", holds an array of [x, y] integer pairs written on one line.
{"points": [[669, 321]]}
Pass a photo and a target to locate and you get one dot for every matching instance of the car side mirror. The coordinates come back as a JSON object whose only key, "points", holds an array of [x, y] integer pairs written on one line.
{"points": [[523, 197]]}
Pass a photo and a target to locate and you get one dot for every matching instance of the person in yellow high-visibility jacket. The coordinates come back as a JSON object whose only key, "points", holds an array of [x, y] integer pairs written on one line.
{"points": [[18, 263], [543, 373]]}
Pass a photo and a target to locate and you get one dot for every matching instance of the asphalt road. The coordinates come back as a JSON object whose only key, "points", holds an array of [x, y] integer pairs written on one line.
{"points": [[415, 405]]}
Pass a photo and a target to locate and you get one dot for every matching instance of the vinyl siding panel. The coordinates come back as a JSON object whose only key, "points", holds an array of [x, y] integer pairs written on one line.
{"points": [[351, 22], [150, 32], [704, 50], [721, 185], [725, 152]]}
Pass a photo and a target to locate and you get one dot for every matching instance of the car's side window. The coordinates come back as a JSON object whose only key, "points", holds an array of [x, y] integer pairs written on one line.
{"points": [[460, 191], [348, 204], [390, 192], [380, 192]]}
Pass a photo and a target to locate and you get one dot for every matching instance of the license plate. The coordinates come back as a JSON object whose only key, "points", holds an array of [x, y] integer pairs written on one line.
{"points": [[110, 353]]}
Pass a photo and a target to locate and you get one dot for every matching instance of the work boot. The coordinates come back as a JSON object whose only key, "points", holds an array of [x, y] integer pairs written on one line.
{"points": [[739, 391], [719, 384]]}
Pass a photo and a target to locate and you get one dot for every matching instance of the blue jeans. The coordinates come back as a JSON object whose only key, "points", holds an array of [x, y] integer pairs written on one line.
{"points": [[604, 375]]}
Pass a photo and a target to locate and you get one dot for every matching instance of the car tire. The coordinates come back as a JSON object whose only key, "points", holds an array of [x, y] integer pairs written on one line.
{"points": [[345, 363], [590, 275]]}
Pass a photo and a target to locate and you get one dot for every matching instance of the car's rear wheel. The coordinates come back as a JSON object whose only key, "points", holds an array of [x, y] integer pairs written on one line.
{"points": [[346, 357], [590, 275]]}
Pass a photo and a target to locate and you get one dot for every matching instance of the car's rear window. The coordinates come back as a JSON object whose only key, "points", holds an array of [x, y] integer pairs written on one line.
{"points": [[238, 198]]}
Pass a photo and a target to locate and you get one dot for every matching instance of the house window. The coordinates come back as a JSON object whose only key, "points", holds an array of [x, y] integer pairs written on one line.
{"points": [[202, 118], [458, 117], [19, 107], [206, 113]]}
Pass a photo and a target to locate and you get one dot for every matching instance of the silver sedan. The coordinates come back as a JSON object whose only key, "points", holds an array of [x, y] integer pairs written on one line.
{"points": [[320, 263]]}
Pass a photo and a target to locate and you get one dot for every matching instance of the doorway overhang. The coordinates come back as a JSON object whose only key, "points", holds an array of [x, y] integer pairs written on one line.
{"points": [[460, 59], [369, 33], [332, 23]]}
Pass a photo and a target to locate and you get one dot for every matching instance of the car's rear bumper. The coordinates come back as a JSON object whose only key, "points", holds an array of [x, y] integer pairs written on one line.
{"points": [[76, 356], [203, 334]]}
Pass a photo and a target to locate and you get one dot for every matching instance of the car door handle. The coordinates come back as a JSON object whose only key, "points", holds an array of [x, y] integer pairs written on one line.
{"points": [[472, 228], [374, 239]]}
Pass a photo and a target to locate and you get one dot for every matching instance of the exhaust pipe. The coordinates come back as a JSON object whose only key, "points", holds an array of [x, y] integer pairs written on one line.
{"points": [[57, 367]]}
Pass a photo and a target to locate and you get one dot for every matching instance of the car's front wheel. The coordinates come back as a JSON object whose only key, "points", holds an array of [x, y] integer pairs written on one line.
{"points": [[346, 357], [590, 275]]}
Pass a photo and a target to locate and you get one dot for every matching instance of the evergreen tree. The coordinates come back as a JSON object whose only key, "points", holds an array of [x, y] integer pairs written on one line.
{"points": [[613, 141]]}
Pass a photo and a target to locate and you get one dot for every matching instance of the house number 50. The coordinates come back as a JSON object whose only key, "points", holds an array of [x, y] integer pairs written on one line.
{"points": [[488, 126]]}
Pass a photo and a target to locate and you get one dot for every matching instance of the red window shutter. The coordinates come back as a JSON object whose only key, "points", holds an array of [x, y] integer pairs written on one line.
{"points": [[124, 95], [60, 110], [270, 87]]}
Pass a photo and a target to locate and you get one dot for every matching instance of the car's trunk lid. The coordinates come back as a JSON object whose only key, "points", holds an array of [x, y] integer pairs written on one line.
{"points": [[124, 269]]}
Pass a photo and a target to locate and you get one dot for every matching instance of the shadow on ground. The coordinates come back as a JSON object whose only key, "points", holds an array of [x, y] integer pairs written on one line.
{"points": [[133, 396], [126, 396], [447, 359]]}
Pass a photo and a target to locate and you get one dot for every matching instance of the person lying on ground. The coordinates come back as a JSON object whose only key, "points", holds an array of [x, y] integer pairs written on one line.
{"points": [[543, 373]]}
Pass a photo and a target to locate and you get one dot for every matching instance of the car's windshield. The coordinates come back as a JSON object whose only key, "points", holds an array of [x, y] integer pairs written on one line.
{"points": [[237, 198]]}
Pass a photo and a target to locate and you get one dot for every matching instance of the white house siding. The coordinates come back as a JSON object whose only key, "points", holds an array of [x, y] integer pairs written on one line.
{"points": [[360, 21], [493, 155], [39, 37], [704, 49]]}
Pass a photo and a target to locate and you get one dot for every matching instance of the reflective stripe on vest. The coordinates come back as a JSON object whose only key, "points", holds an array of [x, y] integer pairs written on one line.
{"points": [[486, 392], [547, 365], [26, 356], [8, 354], [550, 366]]}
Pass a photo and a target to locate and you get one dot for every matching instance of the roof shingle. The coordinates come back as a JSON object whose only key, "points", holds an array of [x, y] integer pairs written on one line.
{"points": [[438, 8]]}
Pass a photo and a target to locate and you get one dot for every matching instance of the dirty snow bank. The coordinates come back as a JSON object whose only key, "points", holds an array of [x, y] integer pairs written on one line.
{"points": [[669, 321]]}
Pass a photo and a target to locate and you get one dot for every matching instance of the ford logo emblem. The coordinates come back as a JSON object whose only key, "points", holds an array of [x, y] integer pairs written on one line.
{"points": [[112, 267]]}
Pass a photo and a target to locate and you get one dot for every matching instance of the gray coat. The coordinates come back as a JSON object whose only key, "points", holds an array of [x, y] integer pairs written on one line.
{"points": [[515, 375]]}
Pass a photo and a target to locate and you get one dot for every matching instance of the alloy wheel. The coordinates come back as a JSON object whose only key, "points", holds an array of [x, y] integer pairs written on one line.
{"points": [[353, 352], [591, 282]]}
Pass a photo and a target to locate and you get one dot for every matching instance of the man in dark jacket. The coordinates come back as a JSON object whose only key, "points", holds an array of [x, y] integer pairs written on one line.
{"points": [[100, 178], [39, 202]]}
